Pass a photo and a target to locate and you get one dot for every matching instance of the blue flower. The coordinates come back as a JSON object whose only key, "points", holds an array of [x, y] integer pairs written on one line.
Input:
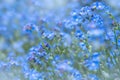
{"points": [[30, 27], [79, 34], [98, 5], [93, 62]]}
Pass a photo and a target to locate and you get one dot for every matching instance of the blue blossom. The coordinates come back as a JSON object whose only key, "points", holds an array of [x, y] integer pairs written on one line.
{"points": [[85, 11], [98, 5], [30, 27], [79, 34], [97, 19], [93, 62], [77, 75]]}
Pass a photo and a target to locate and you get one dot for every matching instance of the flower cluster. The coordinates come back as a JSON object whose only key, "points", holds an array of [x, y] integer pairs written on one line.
{"points": [[77, 40]]}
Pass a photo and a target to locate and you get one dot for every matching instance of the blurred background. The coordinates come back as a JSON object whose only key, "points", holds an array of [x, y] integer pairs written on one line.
{"points": [[15, 14]]}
